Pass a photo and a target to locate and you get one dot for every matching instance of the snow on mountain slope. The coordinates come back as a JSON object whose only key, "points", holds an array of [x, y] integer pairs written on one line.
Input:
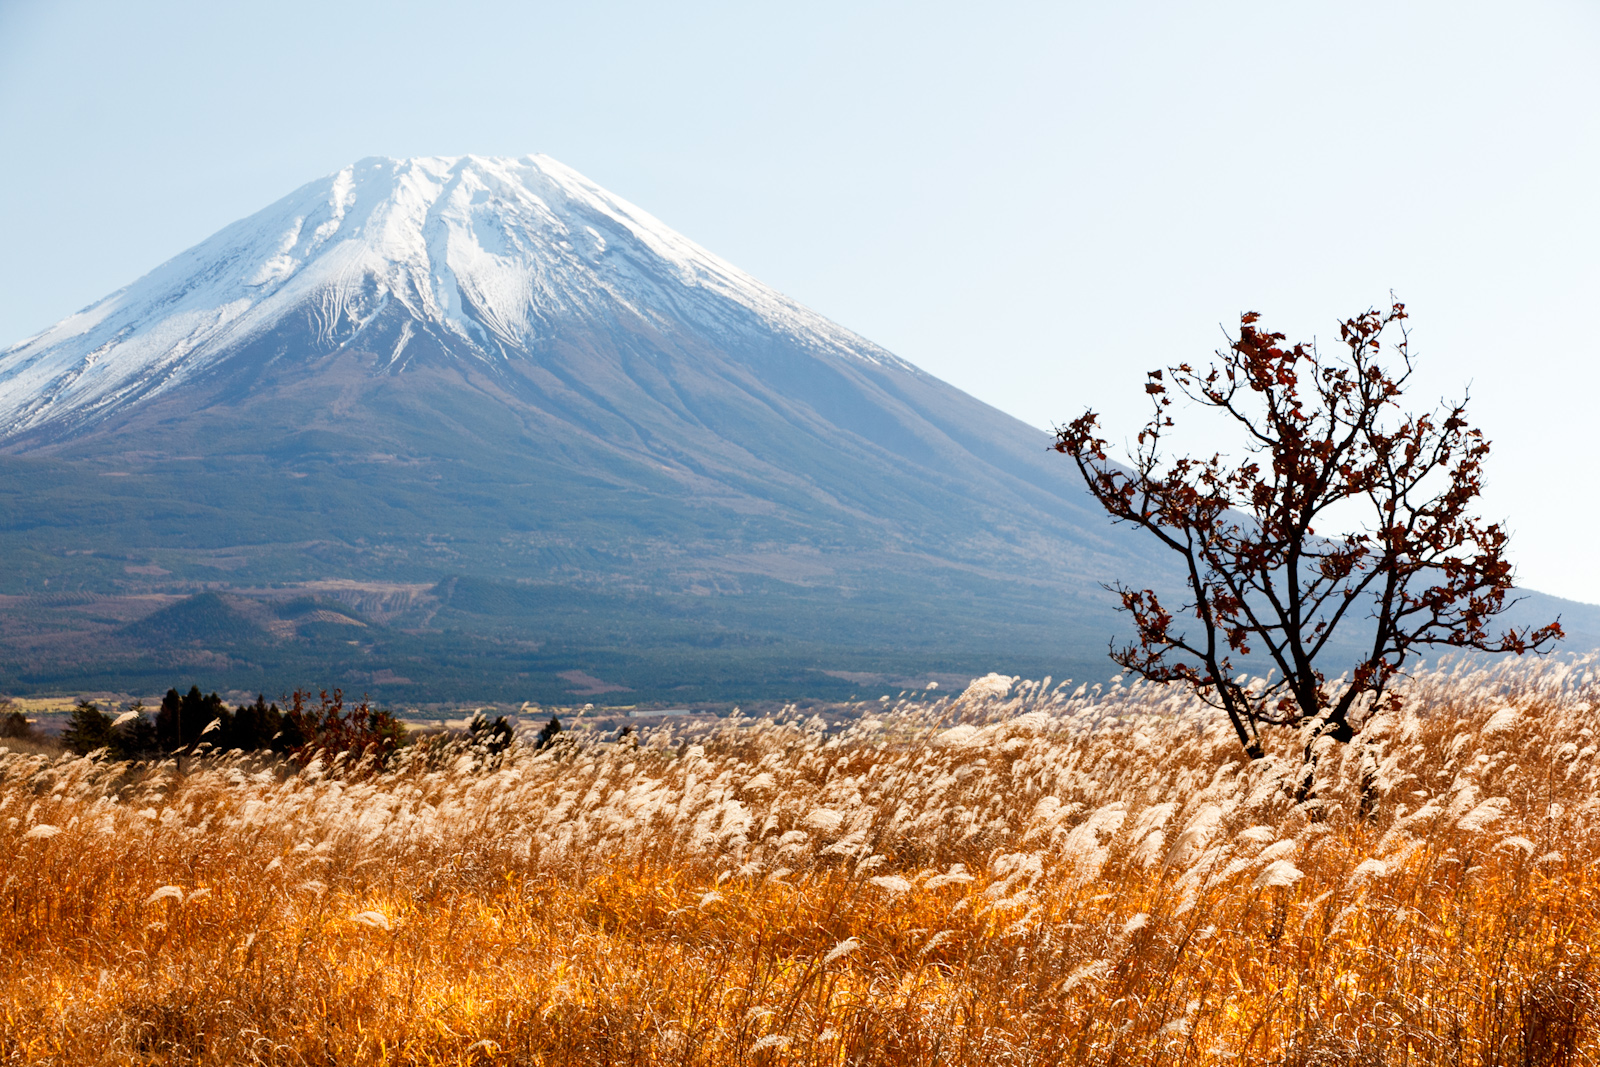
{"points": [[492, 252]]}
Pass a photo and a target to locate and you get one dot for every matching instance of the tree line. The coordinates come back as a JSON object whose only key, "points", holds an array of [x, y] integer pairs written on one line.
{"points": [[183, 723]]}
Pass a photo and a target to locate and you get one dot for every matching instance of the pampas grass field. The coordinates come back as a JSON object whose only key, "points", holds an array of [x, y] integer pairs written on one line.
{"points": [[1020, 874]]}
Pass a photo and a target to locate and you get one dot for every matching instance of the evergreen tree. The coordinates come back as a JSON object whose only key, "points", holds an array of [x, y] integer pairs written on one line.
{"points": [[13, 723], [548, 733], [88, 728], [167, 722], [492, 737], [136, 738], [181, 720], [254, 725]]}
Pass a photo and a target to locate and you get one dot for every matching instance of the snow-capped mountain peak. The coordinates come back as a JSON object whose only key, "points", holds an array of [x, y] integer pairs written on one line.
{"points": [[489, 255]]}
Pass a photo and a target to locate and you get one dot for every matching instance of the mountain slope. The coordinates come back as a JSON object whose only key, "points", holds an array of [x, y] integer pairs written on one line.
{"points": [[468, 299], [551, 435]]}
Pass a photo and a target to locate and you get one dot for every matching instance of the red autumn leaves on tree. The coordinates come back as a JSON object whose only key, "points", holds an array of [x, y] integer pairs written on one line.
{"points": [[1322, 433]]}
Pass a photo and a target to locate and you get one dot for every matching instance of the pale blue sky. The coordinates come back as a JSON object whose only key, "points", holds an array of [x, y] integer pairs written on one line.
{"points": [[1035, 202]]}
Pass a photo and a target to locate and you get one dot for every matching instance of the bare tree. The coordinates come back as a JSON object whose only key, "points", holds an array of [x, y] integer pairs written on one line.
{"points": [[1321, 433]]}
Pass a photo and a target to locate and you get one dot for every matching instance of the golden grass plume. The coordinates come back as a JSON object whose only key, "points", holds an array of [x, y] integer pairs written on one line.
{"points": [[1018, 874]]}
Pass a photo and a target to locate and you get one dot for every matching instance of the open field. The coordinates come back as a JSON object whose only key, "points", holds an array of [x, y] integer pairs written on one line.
{"points": [[1017, 875]]}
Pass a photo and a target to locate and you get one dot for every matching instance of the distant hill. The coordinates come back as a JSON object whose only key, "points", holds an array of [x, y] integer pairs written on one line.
{"points": [[486, 425]]}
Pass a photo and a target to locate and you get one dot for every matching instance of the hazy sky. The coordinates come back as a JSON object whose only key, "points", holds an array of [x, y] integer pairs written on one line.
{"points": [[1035, 202]]}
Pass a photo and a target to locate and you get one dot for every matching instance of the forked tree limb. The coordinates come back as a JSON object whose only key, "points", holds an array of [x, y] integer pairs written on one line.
{"points": [[1319, 432]]}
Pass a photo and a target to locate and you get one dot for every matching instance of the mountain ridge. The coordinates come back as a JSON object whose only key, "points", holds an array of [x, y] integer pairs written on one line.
{"points": [[486, 251]]}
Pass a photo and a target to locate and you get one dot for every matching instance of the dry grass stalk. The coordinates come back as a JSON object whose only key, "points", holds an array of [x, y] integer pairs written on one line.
{"points": [[1016, 875]]}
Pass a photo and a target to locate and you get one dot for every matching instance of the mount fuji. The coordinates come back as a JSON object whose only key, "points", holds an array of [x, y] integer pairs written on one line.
{"points": [[489, 261], [471, 428]]}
